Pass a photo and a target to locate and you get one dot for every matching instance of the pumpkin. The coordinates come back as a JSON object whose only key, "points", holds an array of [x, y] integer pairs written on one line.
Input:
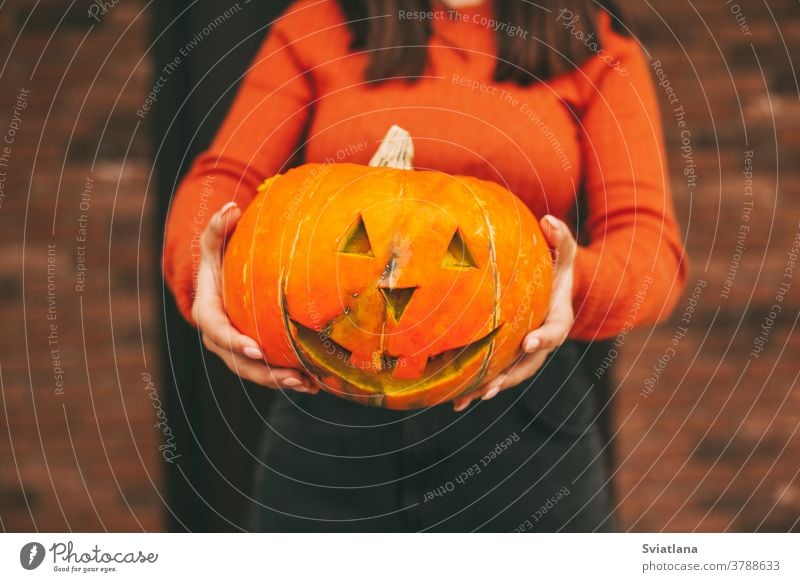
{"points": [[387, 286]]}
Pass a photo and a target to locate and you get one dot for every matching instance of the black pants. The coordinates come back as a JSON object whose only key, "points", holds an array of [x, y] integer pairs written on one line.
{"points": [[528, 460]]}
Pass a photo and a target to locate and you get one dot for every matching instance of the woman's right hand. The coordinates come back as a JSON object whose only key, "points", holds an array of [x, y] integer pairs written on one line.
{"points": [[240, 353]]}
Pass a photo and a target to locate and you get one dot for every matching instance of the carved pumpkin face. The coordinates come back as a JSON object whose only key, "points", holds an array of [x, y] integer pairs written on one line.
{"points": [[390, 287]]}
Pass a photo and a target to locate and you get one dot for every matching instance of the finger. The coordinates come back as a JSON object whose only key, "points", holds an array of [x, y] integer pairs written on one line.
{"points": [[523, 370], [208, 309], [486, 391], [493, 388], [216, 328], [550, 335], [560, 313], [465, 400], [218, 229], [560, 239], [213, 238], [268, 376], [564, 247], [460, 404]]}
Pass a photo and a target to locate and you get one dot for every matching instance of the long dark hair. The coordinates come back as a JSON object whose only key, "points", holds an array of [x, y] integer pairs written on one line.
{"points": [[544, 45]]}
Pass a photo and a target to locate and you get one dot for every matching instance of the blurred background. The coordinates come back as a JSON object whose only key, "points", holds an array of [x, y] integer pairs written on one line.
{"points": [[106, 426]]}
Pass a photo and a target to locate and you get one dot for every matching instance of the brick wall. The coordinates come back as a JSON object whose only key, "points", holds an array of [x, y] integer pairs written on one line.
{"points": [[708, 434], [707, 440], [78, 448]]}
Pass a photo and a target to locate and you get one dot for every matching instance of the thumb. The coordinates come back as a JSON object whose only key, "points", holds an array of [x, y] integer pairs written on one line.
{"points": [[219, 227], [560, 239]]}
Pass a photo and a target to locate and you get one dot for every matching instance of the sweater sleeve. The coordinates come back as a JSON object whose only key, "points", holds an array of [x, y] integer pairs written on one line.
{"points": [[260, 134], [630, 268]]}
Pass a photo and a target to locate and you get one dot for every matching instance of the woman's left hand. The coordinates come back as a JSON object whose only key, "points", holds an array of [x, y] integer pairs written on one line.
{"points": [[556, 326]]}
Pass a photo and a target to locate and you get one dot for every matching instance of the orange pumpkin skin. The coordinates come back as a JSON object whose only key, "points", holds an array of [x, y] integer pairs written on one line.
{"points": [[389, 287]]}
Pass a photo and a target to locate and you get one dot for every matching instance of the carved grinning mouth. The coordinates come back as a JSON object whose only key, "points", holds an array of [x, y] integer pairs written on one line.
{"points": [[322, 355]]}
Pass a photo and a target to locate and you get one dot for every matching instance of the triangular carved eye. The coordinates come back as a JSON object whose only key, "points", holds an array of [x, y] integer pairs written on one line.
{"points": [[357, 242], [458, 255]]}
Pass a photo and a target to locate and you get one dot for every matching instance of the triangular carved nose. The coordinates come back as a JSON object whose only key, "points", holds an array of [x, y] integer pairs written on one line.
{"points": [[397, 300]]}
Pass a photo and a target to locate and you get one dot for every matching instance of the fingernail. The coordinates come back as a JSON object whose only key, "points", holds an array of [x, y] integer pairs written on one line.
{"points": [[226, 208], [292, 382], [460, 406], [224, 214], [532, 344], [491, 393], [552, 222], [253, 352]]}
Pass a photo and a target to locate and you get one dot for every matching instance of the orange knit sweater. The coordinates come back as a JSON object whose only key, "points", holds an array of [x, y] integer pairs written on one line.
{"points": [[585, 146]]}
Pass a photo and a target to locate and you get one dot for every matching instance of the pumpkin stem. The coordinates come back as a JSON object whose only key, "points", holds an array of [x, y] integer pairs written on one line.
{"points": [[396, 150]]}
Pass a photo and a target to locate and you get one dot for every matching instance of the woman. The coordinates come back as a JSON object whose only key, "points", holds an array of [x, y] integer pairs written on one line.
{"points": [[554, 101]]}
